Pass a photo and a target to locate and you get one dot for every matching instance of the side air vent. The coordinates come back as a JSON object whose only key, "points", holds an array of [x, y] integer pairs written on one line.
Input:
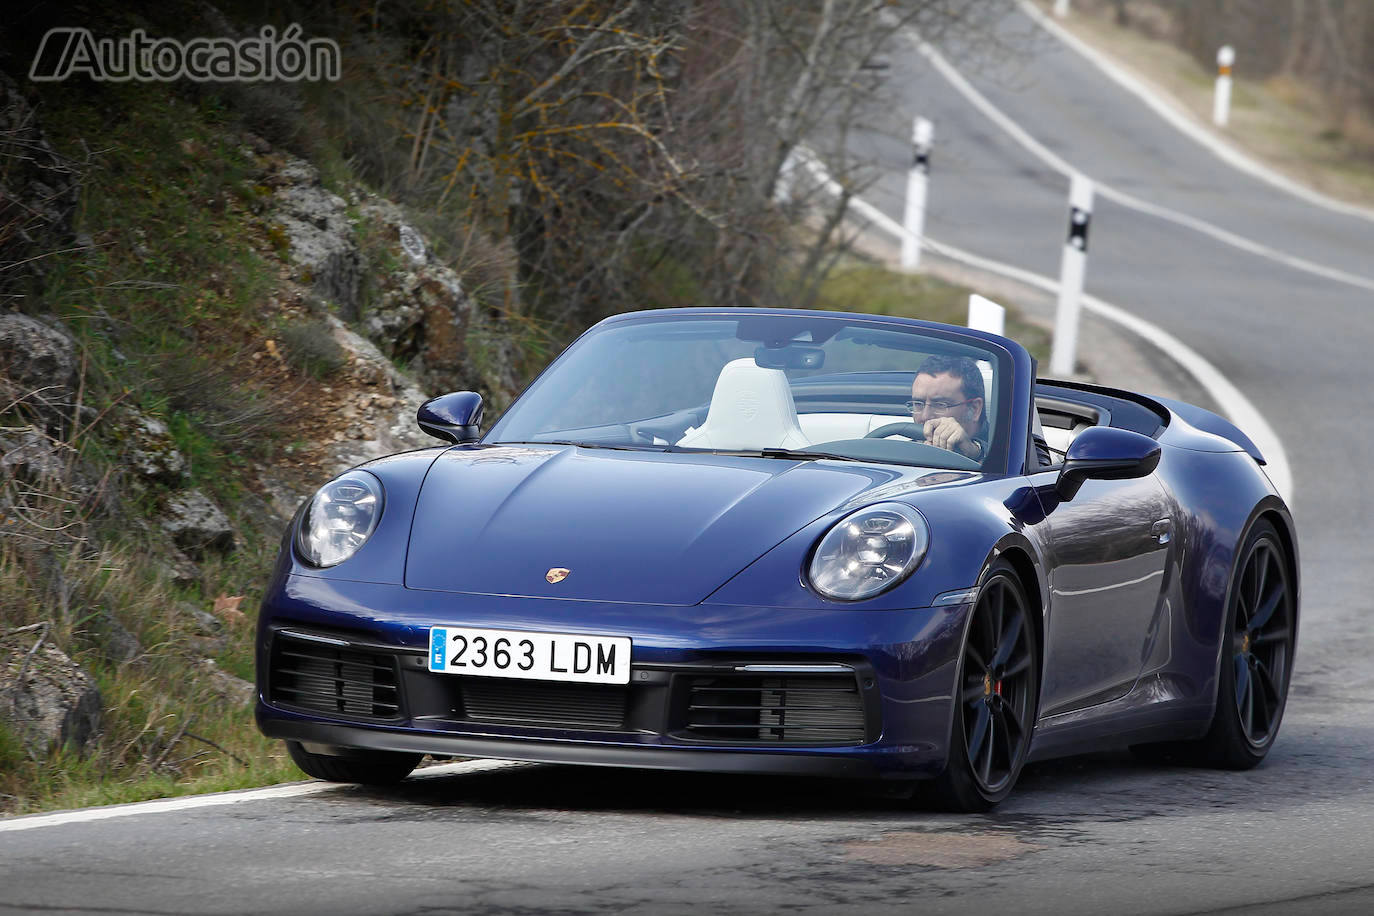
{"points": [[338, 680], [811, 709]]}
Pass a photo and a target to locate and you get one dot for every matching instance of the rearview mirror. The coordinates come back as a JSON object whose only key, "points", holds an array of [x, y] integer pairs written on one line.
{"points": [[1105, 453], [454, 417], [789, 357]]}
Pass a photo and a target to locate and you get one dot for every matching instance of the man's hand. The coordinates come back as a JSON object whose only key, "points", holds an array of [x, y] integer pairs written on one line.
{"points": [[947, 433]]}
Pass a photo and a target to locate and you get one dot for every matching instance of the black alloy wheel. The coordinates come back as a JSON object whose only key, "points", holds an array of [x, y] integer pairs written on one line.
{"points": [[1261, 637], [995, 709], [1256, 662], [1261, 626]]}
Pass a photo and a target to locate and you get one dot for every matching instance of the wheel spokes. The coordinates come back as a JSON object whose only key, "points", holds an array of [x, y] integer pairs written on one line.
{"points": [[998, 607], [1267, 606], [1008, 640], [1259, 701], [1268, 683], [1021, 664], [980, 733], [1008, 746], [1260, 560], [1244, 694], [972, 654], [1245, 600], [1013, 719], [985, 768]]}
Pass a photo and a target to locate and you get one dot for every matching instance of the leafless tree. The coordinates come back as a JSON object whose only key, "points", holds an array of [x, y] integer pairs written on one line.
{"points": [[631, 150]]}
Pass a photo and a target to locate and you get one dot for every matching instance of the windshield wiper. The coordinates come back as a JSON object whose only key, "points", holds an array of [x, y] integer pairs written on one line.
{"points": [[605, 445], [792, 454]]}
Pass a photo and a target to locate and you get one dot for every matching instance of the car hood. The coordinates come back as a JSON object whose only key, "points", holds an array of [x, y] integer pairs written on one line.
{"points": [[628, 526]]}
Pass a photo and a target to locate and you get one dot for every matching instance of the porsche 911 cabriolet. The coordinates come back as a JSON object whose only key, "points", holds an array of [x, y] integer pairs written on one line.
{"points": [[789, 542]]}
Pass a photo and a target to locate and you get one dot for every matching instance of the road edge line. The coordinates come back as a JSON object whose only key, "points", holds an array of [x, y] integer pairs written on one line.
{"points": [[221, 799], [1183, 121], [1054, 161]]}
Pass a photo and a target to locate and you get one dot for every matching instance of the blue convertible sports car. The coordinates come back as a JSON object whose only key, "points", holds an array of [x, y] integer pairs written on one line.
{"points": [[774, 541]]}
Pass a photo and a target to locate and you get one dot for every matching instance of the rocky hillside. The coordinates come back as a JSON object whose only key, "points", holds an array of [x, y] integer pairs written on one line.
{"points": [[197, 332], [214, 295]]}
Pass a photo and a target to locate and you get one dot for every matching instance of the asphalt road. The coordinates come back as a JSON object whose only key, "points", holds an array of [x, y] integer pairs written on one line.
{"points": [[1086, 835]]}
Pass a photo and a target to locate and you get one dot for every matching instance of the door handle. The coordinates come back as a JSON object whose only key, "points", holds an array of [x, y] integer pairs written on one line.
{"points": [[1160, 530]]}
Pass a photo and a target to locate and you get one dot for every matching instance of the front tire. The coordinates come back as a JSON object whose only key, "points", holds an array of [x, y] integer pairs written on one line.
{"points": [[996, 699], [370, 768]]}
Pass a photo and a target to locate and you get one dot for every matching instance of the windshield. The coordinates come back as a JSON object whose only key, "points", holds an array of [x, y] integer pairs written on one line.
{"points": [[777, 386]]}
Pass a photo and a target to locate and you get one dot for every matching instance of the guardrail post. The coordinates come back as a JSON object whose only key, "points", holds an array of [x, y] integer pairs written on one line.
{"points": [[1221, 99], [917, 177], [1072, 268]]}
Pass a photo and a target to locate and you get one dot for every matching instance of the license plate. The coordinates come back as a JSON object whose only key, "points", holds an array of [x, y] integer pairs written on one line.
{"points": [[534, 656]]}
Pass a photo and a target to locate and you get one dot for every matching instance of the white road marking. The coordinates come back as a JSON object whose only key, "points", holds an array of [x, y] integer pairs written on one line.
{"points": [[1233, 403], [1059, 164], [220, 799], [1186, 124]]}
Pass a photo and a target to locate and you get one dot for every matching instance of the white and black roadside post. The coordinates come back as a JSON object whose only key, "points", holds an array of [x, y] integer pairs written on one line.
{"points": [[1221, 100], [1061, 8], [1071, 271], [986, 315], [914, 220]]}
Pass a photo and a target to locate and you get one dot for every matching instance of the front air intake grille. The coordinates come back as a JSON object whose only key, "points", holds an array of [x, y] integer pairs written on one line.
{"points": [[542, 703], [826, 709], [344, 681]]}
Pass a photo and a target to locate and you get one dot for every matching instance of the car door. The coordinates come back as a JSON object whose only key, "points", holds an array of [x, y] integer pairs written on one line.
{"points": [[1109, 548]]}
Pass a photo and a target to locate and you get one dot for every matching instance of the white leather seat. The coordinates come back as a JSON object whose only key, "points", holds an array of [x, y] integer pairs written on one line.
{"points": [[751, 408]]}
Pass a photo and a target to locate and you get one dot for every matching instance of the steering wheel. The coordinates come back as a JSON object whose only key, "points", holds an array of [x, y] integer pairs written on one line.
{"points": [[914, 431]]}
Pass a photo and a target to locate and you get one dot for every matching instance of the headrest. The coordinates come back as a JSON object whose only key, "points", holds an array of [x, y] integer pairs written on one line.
{"points": [[751, 408]]}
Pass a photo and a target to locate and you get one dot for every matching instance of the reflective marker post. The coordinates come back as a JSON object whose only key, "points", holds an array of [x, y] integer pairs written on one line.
{"points": [[986, 315], [1221, 100], [914, 220], [1061, 8], [1071, 271]]}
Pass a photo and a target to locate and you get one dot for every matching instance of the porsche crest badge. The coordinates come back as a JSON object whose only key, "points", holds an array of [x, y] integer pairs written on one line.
{"points": [[556, 575]]}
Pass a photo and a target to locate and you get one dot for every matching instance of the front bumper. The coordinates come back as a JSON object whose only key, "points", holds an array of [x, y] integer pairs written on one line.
{"points": [[744, 690]]}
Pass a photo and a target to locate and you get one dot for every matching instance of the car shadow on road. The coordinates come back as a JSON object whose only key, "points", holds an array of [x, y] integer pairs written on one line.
{"points": [[1312, 766]]}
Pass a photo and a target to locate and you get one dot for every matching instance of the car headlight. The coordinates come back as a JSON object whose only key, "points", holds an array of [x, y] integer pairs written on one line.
{"points": [[340, 518], [869, 551]]}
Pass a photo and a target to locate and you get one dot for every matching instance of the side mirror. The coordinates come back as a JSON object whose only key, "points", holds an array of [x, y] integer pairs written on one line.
{"points": [[1105, 453], [455, 417]]}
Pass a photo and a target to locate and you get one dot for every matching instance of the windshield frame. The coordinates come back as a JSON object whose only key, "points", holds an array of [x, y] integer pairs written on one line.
{"points": [[1014, 371]]}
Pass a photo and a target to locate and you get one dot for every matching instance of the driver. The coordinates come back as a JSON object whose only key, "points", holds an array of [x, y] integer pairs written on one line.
{"points": [[947, 400]]}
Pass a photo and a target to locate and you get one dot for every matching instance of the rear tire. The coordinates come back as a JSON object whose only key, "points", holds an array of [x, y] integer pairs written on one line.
{"points": [[995, 699], [370, 768], [1257, 660]]}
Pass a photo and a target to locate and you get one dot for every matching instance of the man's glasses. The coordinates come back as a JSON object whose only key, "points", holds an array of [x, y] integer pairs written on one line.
{"points": [[919, 405]]}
